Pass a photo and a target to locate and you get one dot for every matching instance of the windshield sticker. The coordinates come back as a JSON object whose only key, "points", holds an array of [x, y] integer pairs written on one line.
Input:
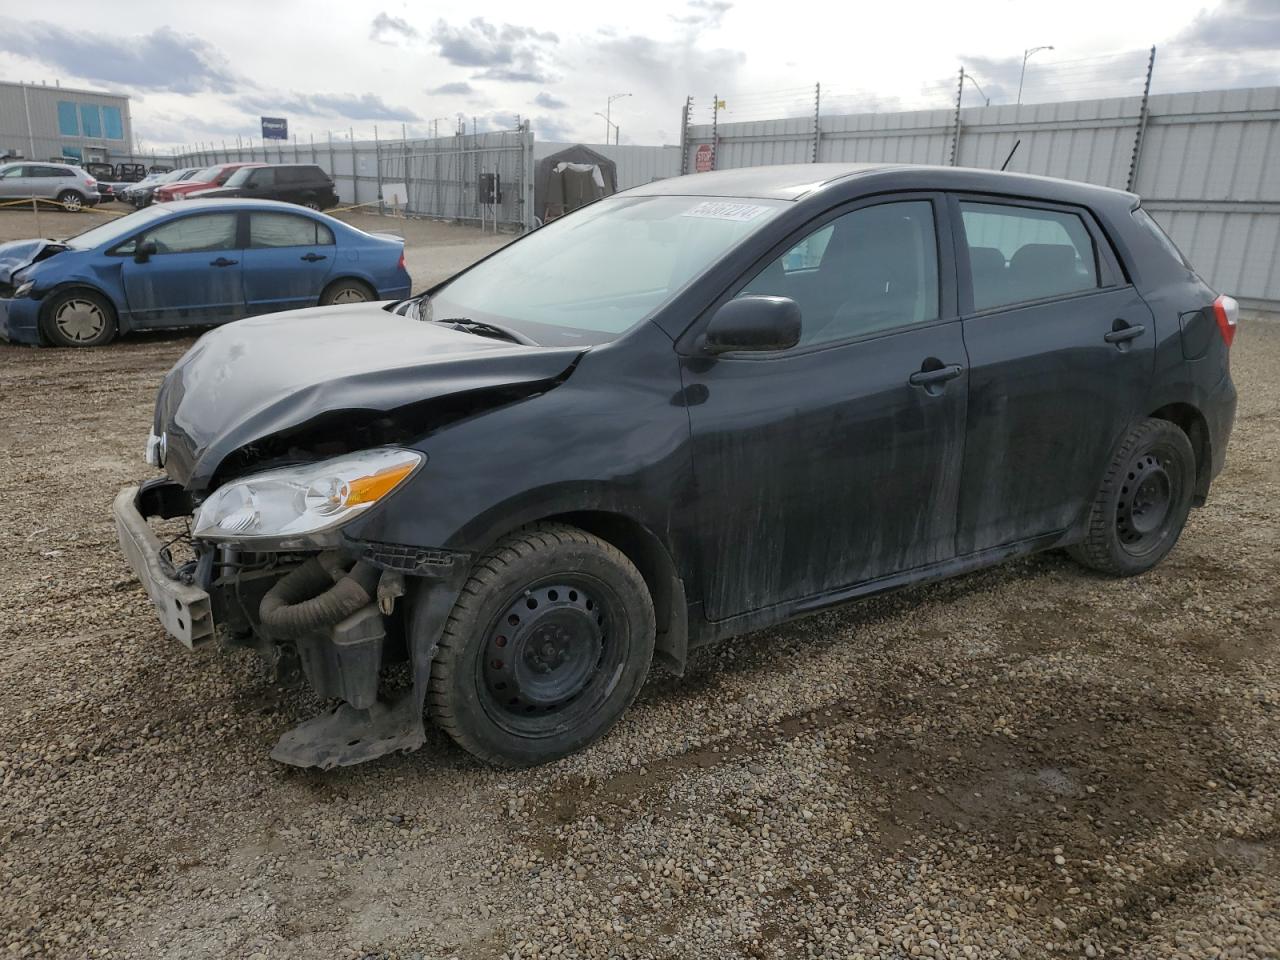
{"points": [[724, 210]]}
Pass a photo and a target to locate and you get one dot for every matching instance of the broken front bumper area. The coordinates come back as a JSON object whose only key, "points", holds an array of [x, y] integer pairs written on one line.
{"points": [[341, 660], [184, 608]]}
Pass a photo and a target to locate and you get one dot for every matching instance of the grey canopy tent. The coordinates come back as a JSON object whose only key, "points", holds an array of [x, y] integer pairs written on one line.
{"points": [[570, 178]]}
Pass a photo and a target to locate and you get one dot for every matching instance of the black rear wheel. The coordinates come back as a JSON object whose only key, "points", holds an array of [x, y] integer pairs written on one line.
{"points": [[1142, 503], [548, 643]]}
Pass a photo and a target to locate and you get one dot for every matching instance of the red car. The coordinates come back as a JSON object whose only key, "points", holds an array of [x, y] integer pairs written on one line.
{"points": [[206, 179]]}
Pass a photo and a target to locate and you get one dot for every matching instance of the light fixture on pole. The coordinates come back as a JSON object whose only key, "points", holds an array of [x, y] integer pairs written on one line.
{"points": [[609, 125], [982, 93], [1026, 55], [608, 111]]}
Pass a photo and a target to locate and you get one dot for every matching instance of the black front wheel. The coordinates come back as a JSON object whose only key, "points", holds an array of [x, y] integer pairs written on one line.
{"points": [[78, 318], [1142, 503], [548, 643]]}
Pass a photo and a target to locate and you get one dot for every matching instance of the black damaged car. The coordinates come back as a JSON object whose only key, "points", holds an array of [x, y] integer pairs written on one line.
{"points": [[691, 410]]}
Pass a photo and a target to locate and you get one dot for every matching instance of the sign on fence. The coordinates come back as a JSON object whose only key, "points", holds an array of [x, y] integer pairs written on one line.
{"points": [[702, 159], [275, 128]]}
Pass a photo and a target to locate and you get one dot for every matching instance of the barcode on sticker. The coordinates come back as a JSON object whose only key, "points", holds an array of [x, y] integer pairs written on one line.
{"points": [[725, 210]]}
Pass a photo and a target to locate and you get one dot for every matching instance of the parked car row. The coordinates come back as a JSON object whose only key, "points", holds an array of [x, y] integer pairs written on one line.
{"points": [[190, 264]]}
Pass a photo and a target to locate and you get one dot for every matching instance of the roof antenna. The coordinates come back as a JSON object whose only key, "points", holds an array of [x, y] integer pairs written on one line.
{"points": [[1017, 143]]}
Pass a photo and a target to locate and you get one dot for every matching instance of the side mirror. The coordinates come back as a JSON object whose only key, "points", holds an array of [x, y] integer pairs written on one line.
{"points": [[753, 323], [144, 251]]}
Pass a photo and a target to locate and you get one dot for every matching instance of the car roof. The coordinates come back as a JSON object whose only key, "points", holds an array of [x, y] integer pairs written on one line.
{"points": [[796, 180], [237, 203]]}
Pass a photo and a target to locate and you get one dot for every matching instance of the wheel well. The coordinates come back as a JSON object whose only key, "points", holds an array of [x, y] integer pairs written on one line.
{"points": [[1191, 422], [350, 279], [653, 561]]}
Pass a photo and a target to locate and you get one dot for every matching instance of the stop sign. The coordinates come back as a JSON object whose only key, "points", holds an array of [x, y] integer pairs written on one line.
{"points": [[702, 158]]}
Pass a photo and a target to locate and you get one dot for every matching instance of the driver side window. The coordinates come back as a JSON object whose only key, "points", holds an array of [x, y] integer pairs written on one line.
{"points": [[871, 270]]}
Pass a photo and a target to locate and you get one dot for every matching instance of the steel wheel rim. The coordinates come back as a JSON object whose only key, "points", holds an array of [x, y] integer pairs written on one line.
{"points": [[349, 295], [551, 657], [80, 320], [1147, 494]]}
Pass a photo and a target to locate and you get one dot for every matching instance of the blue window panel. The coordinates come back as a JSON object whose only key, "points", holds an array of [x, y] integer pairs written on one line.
{"points": [[73, 153], [90, 122], [68, 125], [111, 125]]}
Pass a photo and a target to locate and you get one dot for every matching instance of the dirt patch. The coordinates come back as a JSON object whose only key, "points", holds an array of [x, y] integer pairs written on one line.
{"points": [[897, 778]]}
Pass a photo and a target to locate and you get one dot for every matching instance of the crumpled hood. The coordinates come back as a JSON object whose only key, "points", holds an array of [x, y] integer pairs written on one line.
{"points": [[20, 253], [254, 378]]}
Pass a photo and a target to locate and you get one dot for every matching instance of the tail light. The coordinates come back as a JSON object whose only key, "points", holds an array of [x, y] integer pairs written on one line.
{"points": [[90, 182], [1227, 312], [401, 265]]}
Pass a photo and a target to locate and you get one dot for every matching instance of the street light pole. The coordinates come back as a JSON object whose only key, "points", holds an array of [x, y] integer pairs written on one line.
{"points": [[1026, 54], [609, 125], [982, 93], [608, 112]]}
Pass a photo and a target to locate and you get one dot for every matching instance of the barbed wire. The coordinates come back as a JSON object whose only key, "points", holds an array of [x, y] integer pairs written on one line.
{"points": [[1120, 73]]}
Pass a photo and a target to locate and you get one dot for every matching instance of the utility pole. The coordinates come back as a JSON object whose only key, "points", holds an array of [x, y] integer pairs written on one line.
{"points": [[715, 120], [1026, 55], [1142, 124], [817, 110], [955, 133], [684, 135]]}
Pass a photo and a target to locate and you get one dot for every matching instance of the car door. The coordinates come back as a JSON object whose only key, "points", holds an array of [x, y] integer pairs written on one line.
{"points": [[287, 262], [13, 182], [194, 274], [261, 183], [42, 181], [1061, 352], [835, 462]]}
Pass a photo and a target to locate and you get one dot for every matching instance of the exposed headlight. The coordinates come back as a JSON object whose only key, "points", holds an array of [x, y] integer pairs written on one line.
{"points": [[24, 288], [303, 500]]}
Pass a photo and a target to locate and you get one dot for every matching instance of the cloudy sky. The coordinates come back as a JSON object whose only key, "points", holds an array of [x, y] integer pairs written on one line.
{"points": [[201, 73]]}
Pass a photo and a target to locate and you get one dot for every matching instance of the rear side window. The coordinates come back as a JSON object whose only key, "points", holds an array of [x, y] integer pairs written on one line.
{"points": [[872, 270], [287, 230], [298, 175], [1018, 254], [263, 176]]}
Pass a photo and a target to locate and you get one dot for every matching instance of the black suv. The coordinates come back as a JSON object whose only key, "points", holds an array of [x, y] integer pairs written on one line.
{"points": [[697, 408], [301, 183]]}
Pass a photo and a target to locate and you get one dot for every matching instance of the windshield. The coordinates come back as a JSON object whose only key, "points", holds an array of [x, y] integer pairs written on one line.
{"points": [[239, 177], [114, 230], [594, 274], [206, 175]]}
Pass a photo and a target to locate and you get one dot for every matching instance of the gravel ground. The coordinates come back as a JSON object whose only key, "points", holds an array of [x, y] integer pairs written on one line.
{"points": [[1027, 762]]}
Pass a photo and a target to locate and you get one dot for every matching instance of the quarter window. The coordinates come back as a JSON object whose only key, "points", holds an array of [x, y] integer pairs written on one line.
{"points": [[287, 230], [871, 270], [1018, 254], [211, 231]]}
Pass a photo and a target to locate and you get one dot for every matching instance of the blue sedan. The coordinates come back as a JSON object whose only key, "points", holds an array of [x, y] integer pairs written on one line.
{"points": [[195, 263]]}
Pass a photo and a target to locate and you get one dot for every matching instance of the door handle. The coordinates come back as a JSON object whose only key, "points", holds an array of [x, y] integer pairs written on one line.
{"points": [[934, 381], [223, 262], [1120, 335], [313, 257]]}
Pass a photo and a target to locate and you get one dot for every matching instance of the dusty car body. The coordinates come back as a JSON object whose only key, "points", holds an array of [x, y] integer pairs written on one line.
{"points": [[800, 385]]}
